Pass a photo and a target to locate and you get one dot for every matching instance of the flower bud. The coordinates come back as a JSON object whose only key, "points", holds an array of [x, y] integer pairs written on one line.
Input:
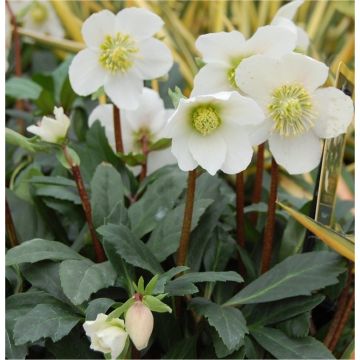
{"points": [[139, 322], [52, 130], [106, 336]]}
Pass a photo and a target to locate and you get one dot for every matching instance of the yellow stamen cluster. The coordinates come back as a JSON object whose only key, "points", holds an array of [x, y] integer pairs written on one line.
{"points": [[205, 119], [291, 110], [38, 12], [117, 53]]}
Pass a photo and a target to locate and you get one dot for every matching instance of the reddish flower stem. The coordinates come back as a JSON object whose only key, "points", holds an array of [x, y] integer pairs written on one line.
{"points": [[145, 150], [117, 130], [256, 196], [270, 224], [343, 320], [240, 226], [186, 228], [10, 227], [339, 311], [99, 251], [19, 104]]}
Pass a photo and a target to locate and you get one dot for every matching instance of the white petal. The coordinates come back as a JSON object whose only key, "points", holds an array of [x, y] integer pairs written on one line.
{"points": [[209, 151], [179, 123], [334, 111], [260, 133], [211, 79], [138, 22], [85, 73], [180, 149], [97, 26], [149, 114], [154, 59], [289, 10], [104, 113], [298, 155], [258, 75], [241, 110], [302, 69], [303, 40], [124, 90], [220, 47], [239, 150], [272, 40], [158, 159], [43, 133]]}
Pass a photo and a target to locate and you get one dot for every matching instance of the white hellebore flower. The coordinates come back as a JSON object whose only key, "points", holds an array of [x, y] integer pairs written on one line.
{"points": [[299, 113], [120, 54], [146, 122], [52, 130], [213, 131], [139, 322], [106, 336], [223, 52], [284, 17], [38, 16]]}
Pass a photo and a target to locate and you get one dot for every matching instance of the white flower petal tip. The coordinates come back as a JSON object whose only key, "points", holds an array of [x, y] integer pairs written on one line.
{"points": [[139, 322], [299, 114], [106, 336], [52, 130], [289, 10], [213, 131], [120, 55]]}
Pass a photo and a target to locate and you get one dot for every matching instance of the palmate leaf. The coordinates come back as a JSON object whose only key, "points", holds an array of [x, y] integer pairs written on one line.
{"points": [[297, 275], [336, 241]]}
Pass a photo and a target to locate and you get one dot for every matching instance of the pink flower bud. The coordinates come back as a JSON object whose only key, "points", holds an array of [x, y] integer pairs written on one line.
{"points": [[139, 323]]}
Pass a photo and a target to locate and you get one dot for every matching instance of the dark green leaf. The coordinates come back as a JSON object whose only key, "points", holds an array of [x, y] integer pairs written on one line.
{"points": [[98, 306], [22, 88], [38, 249], [297, 275], [81, 278], [297, 326], [228, 322], [131, 249], [165, 238], [283, 347]]}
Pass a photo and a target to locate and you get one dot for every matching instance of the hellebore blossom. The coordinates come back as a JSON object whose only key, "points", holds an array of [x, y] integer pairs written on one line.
{"points": [[146, 123], [284, 17], [52, 130], [213, 131], [106, 336], [223, 52], [38, 16], [121, 52], [139, 322], [299, 113]]}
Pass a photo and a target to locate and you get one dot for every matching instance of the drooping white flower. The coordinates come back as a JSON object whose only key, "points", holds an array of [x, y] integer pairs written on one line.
{"points": [[52, 130], [213, 131], [299, 113], [284, 17], [139, 322], [148, 121], [108, 337], [38, 16], [121, 52], [223, 52]]}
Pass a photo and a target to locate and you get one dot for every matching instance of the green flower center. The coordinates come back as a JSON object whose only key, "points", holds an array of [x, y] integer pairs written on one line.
{"points": [[291, 110], [205, 119], [38, 12], [143, 134], [117, 53]]}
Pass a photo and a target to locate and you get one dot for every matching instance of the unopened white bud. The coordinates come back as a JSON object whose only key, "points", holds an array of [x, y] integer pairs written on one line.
{"points": [[52, 130], [139, 323]]}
